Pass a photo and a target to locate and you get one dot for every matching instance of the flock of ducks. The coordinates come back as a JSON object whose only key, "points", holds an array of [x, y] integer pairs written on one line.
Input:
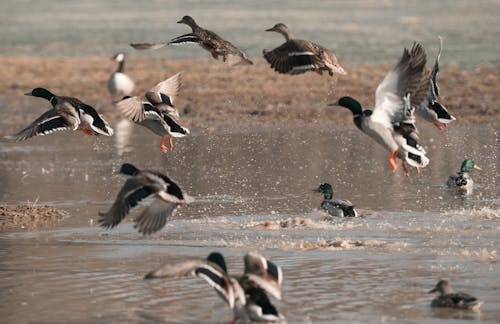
{"points": [[409, 88]]}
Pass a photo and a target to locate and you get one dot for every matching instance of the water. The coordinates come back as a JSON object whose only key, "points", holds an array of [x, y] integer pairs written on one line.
{"points": [[358, 31], [253, 192]]}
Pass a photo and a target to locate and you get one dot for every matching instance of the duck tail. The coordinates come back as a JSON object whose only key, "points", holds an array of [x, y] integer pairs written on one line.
{"points": [[129, 169]]}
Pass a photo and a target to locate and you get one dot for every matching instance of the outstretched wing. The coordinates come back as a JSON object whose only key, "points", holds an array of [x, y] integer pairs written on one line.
{"points": [[291, 57], [129, 196], [154, 218], [147, 46], [263, 273], [166, 91], [133, 108], [404, 78], [47, 123]]}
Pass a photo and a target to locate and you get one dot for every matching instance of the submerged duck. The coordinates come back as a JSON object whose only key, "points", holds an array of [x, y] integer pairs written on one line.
{"points": [[462, 181], [66, 113], [120, 84], [451, 299], [156, 112], [391, 123], [141, 185], [335, 207], [428, 94], [216, 45], [297, 56], [246, 294]]}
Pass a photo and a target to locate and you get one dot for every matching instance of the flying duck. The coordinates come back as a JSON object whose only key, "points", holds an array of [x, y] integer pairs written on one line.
{"points": [[297, 56], [246, 294], [120, 84], [141, 185], [451, 299], [156, 111], [462, 181], [66, 113], [207, 39], [335, 207], [391, 123], [428, 94]]}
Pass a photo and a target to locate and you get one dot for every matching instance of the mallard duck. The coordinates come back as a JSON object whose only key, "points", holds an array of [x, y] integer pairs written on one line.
{"points": [[143, 184], [335, 207], [449, 298], [428, 94], [391, 123], [297, 56], [157, 112], [462, 181], [245, 294], [207, 39], [120, 84], [67, 113]]}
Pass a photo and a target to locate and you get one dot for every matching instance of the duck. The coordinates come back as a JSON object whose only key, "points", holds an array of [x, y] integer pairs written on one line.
{"points": [[391, 123], [165, 193], [430, 109], [120, 84], [297, 56], [66, 113], [335, 207], [461, 181], [246, 294], [449, 298], [156, 111], [210, 41]]}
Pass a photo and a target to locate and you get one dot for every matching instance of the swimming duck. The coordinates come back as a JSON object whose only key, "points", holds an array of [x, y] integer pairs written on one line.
{"points": [[143, 184], [335, 207], [207, 39], [120, 84], [449, 298], [462, 181], [428, 94], [67, 113], [391, 123], [297, 56], [157, 112], [246, 294]]}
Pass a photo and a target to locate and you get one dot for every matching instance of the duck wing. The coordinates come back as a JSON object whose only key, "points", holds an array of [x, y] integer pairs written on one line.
{"points": [[165, 92], [134, 108], [293, 57], [128, 197], [263, 273], [154, 218], [49, 122], [404, 78], [185, 39], [148, 46]]}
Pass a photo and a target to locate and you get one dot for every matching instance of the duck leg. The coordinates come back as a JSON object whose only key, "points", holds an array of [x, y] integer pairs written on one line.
{"points": [[171, 142], [163, 147], [438, 125], [214, 54], [405, 168], [318, 70], [86, 130], [392, 160]]}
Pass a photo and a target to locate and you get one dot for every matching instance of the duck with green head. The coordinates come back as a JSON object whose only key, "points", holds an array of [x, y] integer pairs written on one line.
{"points": [[391, 122], [245, 294], [461, 181], [335, 207], [66, 113]]}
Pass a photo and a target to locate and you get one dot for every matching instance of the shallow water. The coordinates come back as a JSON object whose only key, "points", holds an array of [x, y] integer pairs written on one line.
{"points": [[253, 192], [358, 31]]}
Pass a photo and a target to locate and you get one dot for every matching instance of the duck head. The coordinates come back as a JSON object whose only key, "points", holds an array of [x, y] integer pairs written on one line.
{"points": [[467, 165], [218, 259], [326, 189], [188, 20], [443, 287], [41, 92], [350, 103], [282, 29], [129, 169]]}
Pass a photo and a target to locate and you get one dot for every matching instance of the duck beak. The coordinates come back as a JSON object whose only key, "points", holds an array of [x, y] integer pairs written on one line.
{"points": [[315, 190], [180, 21], [270, 29], [432, 291], [28, 94], [477, 168], [334, 104]]}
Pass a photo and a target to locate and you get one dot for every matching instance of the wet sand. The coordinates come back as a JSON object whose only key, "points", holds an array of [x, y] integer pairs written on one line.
{"points": [[214, 95]]}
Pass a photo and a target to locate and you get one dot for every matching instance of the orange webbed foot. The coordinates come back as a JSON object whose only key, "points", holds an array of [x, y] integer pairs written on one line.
{"points": [[318, 70], [439, 126], [392, 160], [163, 147], [405, 168], [171, 142]]}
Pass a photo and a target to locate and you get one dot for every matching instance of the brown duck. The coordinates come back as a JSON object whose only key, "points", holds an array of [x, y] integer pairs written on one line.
{"points": [[206, 39], [297, 56]]}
